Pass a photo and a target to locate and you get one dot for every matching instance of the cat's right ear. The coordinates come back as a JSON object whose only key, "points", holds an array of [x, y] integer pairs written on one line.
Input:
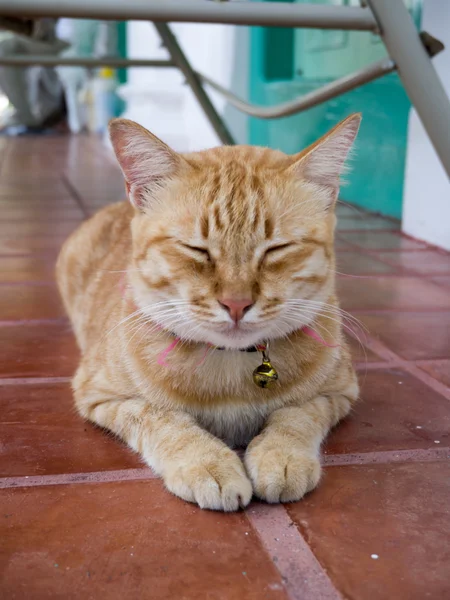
{"points": [[146, 162]]}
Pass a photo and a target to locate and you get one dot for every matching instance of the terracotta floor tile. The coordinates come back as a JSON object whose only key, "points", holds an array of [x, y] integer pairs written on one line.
{"points": [[132, 538], [95, 203], [22, 302], [439, 369], [39, 228], [442, 280], [128, 540], [97, 199], [105, 186], [38, 180], [341, 245], [31, 163], [371, 222], [36, 198], [47, 350], [391, 293], [360, 353], [32, 188], [349, 210], [356, 263], [413, 336], [13, 212], [381, 240], [396, 412], [26, 268], [31, 245], [42, 419], [108, 176], [423, 262], [381, 531]]}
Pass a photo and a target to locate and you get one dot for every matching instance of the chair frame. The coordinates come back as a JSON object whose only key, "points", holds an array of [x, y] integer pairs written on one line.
{"points": [[390, 19]]}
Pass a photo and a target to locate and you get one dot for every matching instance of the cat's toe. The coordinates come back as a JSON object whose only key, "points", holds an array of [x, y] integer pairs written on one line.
{"points": [[280, 475], [213, 485]]}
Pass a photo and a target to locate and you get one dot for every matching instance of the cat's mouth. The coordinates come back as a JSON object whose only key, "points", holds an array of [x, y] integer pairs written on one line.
{"points": [[236, 335], [236, 329]]}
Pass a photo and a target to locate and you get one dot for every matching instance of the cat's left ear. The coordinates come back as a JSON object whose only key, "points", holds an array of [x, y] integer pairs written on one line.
{"points": [[324, 162], [147, 163]]}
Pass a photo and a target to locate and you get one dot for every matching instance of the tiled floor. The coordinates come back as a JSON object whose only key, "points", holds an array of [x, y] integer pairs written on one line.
{"points": [[81, 517]]}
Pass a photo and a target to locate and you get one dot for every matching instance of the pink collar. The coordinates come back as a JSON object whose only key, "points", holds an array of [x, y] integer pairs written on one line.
{"points": [[259, 347], [162, 356]]}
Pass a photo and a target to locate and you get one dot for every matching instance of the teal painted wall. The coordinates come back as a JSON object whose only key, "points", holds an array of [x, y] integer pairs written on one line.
{"points": [[287, 63], [122, 48]]}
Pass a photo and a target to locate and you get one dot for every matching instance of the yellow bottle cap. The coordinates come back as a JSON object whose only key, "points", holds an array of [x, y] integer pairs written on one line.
{"points": [[107, 73]]}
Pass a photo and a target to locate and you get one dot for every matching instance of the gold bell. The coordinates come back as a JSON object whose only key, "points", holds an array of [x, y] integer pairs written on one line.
{"points": [[265, 375]]}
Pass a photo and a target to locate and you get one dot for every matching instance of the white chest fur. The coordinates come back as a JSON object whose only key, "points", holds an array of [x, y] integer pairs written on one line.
{"points": [[236, 424]]}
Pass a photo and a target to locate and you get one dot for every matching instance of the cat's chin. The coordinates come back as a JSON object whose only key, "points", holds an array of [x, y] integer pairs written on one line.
{"points": [[230, 339], [236, 340]]}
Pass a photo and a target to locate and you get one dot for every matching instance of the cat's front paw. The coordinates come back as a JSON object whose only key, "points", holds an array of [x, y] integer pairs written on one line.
{"points": [[281, 473], [218, 483]]}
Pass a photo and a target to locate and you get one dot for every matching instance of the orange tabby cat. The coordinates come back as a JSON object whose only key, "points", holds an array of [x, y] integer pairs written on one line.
{"points": [[217, 251]]}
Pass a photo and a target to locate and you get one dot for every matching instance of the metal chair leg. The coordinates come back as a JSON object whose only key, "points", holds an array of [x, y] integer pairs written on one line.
{"points": [[179, 58], [417, 73]]}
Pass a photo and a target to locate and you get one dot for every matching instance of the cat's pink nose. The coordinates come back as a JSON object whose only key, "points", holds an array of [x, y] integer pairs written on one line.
{"points": [[236, 308]]}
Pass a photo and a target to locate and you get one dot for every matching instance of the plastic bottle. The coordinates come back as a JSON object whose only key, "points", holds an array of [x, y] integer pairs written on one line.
{"points": [[104, 99]]}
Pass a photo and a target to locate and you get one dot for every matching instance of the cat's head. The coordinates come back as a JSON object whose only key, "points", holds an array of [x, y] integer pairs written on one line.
{"points": [[234, 245]]}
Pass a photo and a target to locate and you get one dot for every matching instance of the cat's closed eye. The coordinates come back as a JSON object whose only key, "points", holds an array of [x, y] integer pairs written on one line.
{"points": [[277, 251], [274, 253], [278, 247], [197, 251]]}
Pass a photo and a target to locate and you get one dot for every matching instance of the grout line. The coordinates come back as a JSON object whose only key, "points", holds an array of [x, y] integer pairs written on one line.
{"points": [[42, 221], [395, 361], [75, 195], [403, 271], [365, 230], [302, 575], [59, 200], [427, 379], [29, 282], [42, 235], [378, 348], [389, 456], [328, 460], [428, 245], [373, 366], [70, 478], [365, 275], [399, 272], [50, 253], [31, 322], [393, 311], [441, 284], [354, 247], [33, 380], [383, 255], [399, 233]]}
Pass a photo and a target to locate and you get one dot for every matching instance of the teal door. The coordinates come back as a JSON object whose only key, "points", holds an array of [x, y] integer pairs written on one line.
{"points": [[286, 64]]}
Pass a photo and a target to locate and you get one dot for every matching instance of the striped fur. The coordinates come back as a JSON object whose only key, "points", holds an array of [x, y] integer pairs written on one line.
{"points": [[231, 222]]}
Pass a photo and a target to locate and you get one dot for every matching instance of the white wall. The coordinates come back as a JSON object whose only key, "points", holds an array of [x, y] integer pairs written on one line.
{"points": [[158, 98], [426, 200]]}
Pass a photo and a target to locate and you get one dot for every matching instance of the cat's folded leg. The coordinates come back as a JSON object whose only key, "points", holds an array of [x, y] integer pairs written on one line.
{"points": [[283, 462], [194, 464]]}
